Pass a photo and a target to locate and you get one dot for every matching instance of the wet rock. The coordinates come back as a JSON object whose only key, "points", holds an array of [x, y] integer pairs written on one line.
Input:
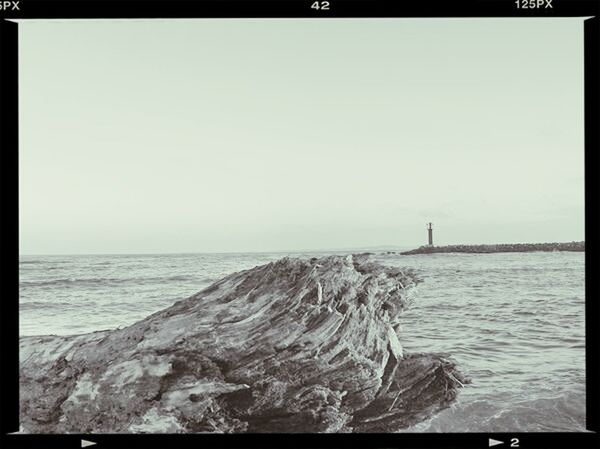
{"points": [[291, 346]]}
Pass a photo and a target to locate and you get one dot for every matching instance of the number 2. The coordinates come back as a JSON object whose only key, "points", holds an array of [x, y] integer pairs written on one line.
{"points": [[514, 442]]}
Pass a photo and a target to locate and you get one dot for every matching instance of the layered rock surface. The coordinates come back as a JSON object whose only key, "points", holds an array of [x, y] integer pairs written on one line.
{"points": [[291, 346]]}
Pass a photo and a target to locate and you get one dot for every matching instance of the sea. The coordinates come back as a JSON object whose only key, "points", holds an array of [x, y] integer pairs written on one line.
{"points": [[514, 322]]}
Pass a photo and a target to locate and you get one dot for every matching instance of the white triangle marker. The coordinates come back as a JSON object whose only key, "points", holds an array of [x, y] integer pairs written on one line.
{"points": [[493, 442], [86, 443]]}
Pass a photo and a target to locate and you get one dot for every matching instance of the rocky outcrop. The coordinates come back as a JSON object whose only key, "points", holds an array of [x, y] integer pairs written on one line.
{"points": [[500, 248], [291, 346]]}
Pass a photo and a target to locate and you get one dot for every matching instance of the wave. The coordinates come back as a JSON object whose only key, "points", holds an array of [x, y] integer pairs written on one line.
{"points": [[75, 282], [36, 305], [563, 412], [43, 261]]}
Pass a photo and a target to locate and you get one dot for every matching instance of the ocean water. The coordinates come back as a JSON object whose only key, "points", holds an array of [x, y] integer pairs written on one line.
{"points": [[514, 322]]}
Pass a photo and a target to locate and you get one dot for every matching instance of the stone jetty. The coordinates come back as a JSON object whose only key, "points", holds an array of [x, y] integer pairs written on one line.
{"points": [[500, 248]]}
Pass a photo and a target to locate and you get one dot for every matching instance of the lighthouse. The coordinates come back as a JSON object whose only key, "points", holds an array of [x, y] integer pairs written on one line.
{"points": [[430, 233]]}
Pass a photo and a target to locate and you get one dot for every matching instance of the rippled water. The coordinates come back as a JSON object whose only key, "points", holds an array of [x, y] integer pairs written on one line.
{"points": [[513, 321]]}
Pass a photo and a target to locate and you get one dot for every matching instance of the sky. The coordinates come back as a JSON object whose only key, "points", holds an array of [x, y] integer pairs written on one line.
{"points": [[227, 135]]}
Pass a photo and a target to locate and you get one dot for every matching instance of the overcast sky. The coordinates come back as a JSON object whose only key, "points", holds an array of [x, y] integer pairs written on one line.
{"points": [[266, 135]]}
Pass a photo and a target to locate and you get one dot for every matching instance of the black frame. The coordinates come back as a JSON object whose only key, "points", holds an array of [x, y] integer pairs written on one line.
{"points": [[148, 9]]}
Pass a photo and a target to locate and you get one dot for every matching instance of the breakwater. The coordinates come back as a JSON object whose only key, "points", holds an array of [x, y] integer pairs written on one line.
{"points": [[499, 248]]}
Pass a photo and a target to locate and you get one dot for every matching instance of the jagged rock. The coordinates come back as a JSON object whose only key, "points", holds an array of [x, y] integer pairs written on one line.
{"points": [[291, 346]]}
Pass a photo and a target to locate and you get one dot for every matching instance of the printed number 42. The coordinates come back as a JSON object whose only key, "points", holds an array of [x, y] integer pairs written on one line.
{"points": [[320, 5]]}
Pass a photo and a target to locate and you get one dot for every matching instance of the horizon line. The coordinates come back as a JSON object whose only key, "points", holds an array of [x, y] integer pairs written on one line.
{"points": [[357, 248]]}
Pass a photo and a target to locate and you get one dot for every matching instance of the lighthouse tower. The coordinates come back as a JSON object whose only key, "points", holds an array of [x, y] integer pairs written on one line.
{"points": [[430, 233]]}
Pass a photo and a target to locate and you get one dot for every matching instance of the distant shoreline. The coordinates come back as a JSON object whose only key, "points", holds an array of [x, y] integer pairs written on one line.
{"points": [[500, 248]]}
